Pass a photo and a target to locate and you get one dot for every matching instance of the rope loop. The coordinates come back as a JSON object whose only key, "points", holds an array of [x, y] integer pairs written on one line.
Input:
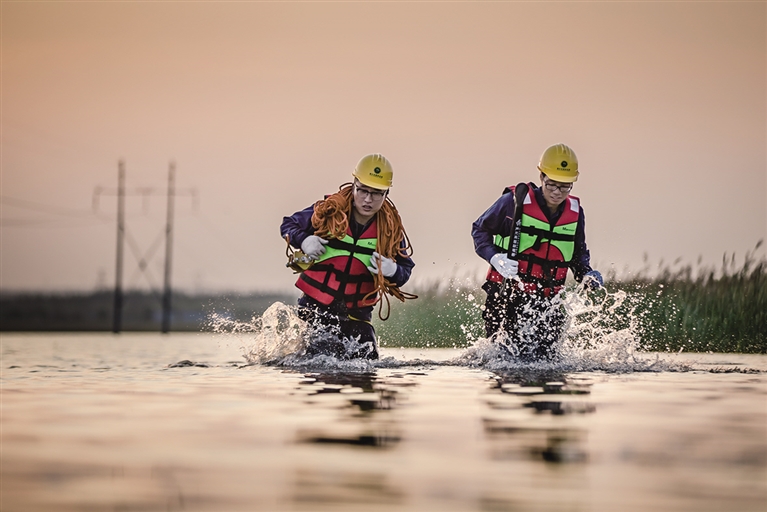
{"points": [[331, 219]]}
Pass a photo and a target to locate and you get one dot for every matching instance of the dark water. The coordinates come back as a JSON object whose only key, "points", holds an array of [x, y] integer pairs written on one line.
{"points": [[102, 422]]}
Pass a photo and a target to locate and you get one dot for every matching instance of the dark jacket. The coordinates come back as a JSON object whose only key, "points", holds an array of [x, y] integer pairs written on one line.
{"points": [[497, 220]]}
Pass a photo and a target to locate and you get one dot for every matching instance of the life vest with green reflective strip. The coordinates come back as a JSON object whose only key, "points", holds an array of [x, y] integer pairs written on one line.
{"points": [[342, 271], [545, 250]]}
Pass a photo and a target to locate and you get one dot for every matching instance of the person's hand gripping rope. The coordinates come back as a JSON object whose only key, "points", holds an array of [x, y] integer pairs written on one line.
{"points": [[313, 246], [386, 266]]}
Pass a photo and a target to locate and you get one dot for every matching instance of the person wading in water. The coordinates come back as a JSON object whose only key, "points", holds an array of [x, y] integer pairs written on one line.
{"points": [[531, 236], [354, 251]]}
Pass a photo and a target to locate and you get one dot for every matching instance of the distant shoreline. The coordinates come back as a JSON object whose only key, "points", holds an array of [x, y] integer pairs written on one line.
{"points": [[94, 311]]}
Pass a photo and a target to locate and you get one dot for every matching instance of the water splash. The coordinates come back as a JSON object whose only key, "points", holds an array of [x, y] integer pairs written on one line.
{"points": [[280, 337], [271, 337], [601, 333]]}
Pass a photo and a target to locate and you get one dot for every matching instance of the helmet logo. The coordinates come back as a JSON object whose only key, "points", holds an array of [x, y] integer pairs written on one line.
{"points": [[564, 163], [377, 170]]}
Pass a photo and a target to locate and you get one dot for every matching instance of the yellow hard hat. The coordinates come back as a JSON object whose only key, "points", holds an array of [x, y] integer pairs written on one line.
{"points": [[559, 163], [374, 171]]}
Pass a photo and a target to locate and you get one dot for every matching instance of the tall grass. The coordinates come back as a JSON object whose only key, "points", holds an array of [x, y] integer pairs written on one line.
{"points": [[444, 315], [692, 309], [704, 310]]}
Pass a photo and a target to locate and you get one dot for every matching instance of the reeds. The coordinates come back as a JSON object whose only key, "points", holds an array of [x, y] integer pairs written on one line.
{"points": [[704, 310], [442, 316]]}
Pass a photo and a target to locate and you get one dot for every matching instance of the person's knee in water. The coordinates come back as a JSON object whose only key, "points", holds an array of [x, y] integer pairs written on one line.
{"points": [[335, 333], [526, 325], [323, 333], [537, 323]]}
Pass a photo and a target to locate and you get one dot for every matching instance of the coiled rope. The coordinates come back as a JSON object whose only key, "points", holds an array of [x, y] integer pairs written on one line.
{"points": [[331, 219]]}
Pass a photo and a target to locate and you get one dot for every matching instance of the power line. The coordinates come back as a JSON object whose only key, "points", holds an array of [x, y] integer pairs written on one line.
{"points": [[48, 223], [56, 211], [47, 208]]}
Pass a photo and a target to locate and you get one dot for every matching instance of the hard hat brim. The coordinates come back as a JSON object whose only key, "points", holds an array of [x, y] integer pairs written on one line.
{"points": [[562, 178], [370, 183]]}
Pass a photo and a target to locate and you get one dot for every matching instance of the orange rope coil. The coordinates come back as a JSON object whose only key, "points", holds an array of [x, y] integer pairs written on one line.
{"points": [[331, 219]]}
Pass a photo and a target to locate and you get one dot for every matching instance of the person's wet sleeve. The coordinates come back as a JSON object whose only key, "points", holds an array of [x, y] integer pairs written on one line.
{"points": [[489, 224], [581, 263], [404, 268], [298, 226]]}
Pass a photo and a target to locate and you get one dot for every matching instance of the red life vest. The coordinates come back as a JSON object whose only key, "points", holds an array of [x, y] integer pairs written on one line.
{"points": [[341, 273], [545, 250]]}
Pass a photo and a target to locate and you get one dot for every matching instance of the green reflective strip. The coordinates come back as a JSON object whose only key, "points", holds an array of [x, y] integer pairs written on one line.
{"points": [[502, 242], [331, 252], [567, 248], [526, 240]]}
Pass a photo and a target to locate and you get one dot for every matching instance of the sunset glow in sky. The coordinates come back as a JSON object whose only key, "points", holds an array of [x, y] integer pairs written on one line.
{"points": [[265, 107]]}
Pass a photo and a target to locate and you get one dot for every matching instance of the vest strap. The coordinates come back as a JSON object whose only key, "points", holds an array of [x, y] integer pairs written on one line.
{"points": [[340, 245], [331, 277], [543, 262], [349, 278], [546, 234]]}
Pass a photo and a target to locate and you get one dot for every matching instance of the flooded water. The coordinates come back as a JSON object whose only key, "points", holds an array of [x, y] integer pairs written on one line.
{"points": [[144, 422]]}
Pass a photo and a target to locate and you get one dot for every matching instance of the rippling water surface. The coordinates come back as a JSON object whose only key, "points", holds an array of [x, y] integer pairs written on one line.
{"points": [[146, 422]]}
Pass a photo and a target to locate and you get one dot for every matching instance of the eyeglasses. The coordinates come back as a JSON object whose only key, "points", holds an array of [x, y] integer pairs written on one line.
{"points": [[553, 187], [375, 195]]}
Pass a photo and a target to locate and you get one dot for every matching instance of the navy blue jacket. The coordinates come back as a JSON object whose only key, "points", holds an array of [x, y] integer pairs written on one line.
{"points": [[497, 220]]}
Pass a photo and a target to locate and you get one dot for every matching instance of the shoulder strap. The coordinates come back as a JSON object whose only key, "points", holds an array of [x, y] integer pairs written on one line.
{"points": [[520, 192]]}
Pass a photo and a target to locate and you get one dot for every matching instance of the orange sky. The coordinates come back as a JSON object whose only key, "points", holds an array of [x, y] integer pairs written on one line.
{"points": [[265, 107]]}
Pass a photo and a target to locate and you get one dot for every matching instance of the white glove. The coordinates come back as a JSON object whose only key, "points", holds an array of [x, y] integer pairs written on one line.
{"points": [[506, 267], [313, 246], [387, 266]]}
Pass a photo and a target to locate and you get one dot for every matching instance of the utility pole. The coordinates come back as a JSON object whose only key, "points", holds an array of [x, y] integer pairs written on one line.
{"points": [[143, 259], [166, 309], [118, 299]]}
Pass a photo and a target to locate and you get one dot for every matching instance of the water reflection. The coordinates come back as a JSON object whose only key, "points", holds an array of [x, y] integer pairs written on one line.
{"points": [[125, 432], [364, 403], [529, 417], [314, 488], [359, 398]]}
